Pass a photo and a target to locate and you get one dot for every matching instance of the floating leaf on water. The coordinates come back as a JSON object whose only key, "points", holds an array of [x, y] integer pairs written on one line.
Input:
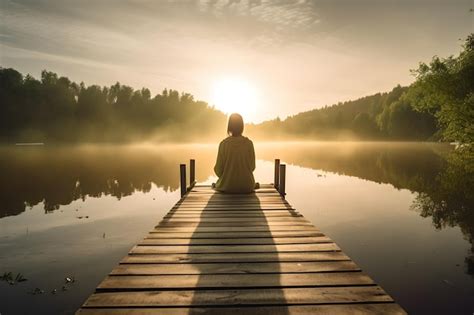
{"points": [[7, 276], [20, 278]]}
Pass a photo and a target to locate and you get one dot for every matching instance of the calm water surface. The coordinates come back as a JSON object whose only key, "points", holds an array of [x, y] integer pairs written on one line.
{"points": [[402, 211]]}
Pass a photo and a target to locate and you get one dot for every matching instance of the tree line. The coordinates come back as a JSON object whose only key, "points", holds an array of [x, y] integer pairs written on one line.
{"points": [[438, 106], [56, 109], [380, 116]]}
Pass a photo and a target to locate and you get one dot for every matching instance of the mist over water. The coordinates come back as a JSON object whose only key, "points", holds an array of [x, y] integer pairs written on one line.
{"points": [[395, 208]]}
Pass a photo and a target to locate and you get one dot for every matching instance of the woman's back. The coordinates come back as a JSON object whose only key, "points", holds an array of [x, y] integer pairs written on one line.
{"points": [[235, 165]]}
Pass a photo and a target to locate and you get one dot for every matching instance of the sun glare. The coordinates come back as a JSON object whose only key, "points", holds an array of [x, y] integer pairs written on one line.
{"points": [[235, 96]]}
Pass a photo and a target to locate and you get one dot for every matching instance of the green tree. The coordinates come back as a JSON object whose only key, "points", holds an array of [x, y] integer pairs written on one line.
{"points": [[445, 88], [400, 121], [56, 109], [364, 125]]}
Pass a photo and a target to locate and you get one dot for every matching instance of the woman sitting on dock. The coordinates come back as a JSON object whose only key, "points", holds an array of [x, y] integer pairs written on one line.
{"points": [[235, 160]]}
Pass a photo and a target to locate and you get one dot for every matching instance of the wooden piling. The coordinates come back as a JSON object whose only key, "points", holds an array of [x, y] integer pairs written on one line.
{"points": [[276, 180], [182, 179], [192, 173], [282, 184]]}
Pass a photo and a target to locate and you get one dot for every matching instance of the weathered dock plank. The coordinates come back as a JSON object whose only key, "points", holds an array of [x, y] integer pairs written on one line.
{"points": [[336, 295], [218, 249], [234, 241], [236, 257], [233, 235], [336, 309], [217, 253], [233, 268]]}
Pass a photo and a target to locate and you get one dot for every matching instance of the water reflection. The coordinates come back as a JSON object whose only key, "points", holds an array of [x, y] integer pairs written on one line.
{"points": [[58, 176], [441, 178], [449, 200]]}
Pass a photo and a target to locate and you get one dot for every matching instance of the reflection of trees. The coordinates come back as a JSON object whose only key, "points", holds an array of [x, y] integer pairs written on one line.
{"points": [[403, 165], [58, 176], [443, 179], [449, 201]]}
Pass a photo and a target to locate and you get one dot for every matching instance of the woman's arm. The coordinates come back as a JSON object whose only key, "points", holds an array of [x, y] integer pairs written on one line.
{"points": [[219, 167], [252, 157]]}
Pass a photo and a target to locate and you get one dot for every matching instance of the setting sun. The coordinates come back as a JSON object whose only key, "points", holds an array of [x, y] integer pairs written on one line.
{"points": [[235, 95]]}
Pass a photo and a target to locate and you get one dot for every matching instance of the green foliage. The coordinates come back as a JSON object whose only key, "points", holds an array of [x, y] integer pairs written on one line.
{"points": [[438, 105], [400, 121], [56, 109], [364, 125], [379, 116], [445, 89]]}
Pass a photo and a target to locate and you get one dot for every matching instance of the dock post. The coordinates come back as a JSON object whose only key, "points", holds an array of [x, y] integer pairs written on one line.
{"points": [[276, 180], [282, 186], [192, 173], [182, 178]]}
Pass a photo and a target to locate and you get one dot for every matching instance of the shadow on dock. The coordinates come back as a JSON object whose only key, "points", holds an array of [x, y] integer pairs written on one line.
{"points": [[241, 264], [216, 253]]}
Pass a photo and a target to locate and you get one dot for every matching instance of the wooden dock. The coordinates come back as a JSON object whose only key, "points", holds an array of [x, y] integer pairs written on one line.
{"points": [[217, 253]]}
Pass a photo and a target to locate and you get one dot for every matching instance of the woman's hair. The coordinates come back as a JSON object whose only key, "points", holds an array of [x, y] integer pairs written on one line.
{"points": [[236, 125]]}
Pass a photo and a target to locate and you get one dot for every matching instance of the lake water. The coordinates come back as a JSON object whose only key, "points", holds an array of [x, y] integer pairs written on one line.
{"points": [[402, 211]]}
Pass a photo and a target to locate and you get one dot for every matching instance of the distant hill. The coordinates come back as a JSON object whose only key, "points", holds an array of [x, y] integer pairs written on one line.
{"points": [[438, 105], [380, 116]]}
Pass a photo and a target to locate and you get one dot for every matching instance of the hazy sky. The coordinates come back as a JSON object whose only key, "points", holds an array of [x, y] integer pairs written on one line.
{"points": [[297, 55]]}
